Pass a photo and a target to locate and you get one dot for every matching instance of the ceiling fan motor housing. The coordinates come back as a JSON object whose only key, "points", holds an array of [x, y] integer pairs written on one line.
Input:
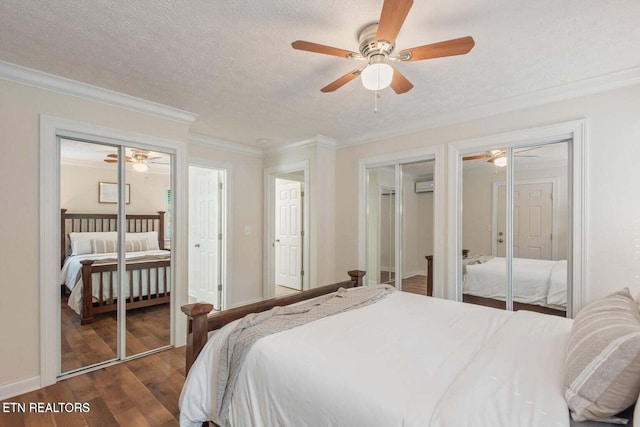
{"points": [[369, 46]]}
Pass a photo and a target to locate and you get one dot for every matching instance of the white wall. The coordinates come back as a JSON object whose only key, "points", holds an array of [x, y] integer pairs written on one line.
{"points": [[20, 109], [613, 223], [79, 190]]}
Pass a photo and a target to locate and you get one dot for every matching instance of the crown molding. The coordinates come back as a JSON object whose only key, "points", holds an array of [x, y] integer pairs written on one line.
{"points": [[234, 147], [318, 140], [603, 83], [30, 77]]}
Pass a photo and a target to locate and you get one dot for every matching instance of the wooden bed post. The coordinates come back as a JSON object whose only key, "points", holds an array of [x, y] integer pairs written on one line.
{"points": [[63, 235], [356, 277], [86, 316], [161, 230], [429, 259], [197, 331]]}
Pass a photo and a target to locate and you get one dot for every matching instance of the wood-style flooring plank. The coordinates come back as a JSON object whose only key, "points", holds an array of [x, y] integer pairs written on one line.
{"points": [[140, 392]]}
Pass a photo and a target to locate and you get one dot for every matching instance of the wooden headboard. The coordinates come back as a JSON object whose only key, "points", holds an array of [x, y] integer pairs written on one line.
{"points": [[82, 222]]}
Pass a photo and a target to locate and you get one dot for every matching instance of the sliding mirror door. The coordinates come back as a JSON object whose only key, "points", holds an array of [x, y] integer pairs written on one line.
{"points": [[147, 283], [540, 228], [399, 225], [89, 260], [484, 266], [515, 227]]}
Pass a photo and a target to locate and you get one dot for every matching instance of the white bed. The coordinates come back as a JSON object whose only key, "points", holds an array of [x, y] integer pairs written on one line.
{"points": [[407, 360], [71, 276], [538, 282]]}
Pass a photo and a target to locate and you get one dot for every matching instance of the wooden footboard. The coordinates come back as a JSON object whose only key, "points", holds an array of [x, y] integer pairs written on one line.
{"points": [[140, 294], [199, 324]]}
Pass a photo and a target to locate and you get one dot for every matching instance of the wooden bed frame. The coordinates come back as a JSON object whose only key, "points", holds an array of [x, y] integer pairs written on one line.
{"points": [[91, 306], [199, 324], [489, 302]]}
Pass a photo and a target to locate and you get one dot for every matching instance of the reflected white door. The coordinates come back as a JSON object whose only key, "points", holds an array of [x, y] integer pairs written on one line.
{"points": [[288, 234], [205, 236], [532, 221]]}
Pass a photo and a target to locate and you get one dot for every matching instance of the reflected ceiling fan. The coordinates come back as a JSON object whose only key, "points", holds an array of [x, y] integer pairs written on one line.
{"points": [[139, 158], [499, 157], [377, 42]]}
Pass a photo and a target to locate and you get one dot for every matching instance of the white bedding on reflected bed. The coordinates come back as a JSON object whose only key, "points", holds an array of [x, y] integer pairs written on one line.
{"points": [[407, 360], [535, 281], [71, 275]]}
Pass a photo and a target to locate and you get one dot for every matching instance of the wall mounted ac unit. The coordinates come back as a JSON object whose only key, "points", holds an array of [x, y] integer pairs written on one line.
{"points": [[424, 186]]}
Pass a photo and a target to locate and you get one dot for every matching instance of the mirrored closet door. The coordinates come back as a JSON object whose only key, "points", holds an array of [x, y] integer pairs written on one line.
{"points": [[515, 227], [115, 252], [399, 225]]}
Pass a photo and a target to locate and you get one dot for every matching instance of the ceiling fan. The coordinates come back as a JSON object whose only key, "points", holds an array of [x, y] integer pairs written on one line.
{"points": [[139, 158], [498, 157], [377, 42]]}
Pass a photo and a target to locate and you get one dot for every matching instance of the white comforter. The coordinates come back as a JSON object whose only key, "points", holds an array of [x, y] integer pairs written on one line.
{"points": [[407, 360], [535, 281], [71, 275]]}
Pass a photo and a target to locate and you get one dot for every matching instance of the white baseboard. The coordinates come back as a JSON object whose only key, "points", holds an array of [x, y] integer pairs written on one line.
{"points": [[19, 387], [414, 273]]}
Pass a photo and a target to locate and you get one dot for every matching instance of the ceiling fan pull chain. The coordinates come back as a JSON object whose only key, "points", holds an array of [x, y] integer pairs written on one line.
{"points": [[375, 101]]}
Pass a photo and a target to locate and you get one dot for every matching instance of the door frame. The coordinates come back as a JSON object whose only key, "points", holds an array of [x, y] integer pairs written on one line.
{"points": [[226, 257], [270, 175], [554, 210], [434, 152], [51, 129]]}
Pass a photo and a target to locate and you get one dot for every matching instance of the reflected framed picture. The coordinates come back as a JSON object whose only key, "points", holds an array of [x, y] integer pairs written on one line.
{"points": [[108, 192]]}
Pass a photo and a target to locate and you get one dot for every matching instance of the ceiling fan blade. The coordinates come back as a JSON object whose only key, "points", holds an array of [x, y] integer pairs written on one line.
{"points": [[527, 149], [342, 80], [110, 161], [476, 157], [400, 84], [393, 14], [112, 155], [320, 48], [438, 50]]}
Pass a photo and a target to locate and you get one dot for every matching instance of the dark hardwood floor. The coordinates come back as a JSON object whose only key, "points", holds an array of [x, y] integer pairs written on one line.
{"points": [[141, 392], [415, 284], [83, 345]]}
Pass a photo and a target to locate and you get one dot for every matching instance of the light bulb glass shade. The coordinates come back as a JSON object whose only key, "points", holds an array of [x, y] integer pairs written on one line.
{"points": [[377, 76], [500, 161], [140, 167]]}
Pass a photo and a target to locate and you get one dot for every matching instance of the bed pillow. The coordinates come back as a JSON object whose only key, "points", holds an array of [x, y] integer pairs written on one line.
{"points": [[104, 246], [81, 242], [602, 364], [139, 245], [150, 236]]}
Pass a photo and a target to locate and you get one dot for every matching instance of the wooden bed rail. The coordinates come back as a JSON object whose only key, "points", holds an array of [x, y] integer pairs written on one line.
{"points": [[199, 324]]}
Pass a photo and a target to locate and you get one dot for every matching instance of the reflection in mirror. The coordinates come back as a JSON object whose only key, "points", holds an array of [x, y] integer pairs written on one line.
{"points": [[147, 283], [540, 224], [380, 226], [417, 226], [88, 198], [484, 271]]}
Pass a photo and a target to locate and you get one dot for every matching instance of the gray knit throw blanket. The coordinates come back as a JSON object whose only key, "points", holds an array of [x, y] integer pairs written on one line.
{"points": [[254, 326]]}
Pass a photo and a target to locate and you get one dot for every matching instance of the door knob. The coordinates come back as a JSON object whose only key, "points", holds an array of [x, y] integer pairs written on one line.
{"points": [[197, 245], [277, 240], [500, 240]]}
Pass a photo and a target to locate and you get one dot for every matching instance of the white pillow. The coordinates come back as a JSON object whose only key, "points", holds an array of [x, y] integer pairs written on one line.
{"points": [[81, 242], [150, 236]]}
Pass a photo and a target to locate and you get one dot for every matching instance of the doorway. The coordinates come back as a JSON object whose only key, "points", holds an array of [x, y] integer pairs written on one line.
{"points": [[207, 200], [287, 230]]}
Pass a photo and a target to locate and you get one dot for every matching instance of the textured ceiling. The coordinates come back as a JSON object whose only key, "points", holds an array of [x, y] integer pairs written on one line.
{"points": [[232, 63]]}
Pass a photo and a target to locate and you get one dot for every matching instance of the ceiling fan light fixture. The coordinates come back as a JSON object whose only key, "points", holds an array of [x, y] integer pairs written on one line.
{"points": [[377, 76], [140, 167], [500, 161]]}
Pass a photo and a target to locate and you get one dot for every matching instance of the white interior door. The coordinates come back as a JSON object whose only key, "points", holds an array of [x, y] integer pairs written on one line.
{"points": [[288, 234], [532, 220], [205, 279]]}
